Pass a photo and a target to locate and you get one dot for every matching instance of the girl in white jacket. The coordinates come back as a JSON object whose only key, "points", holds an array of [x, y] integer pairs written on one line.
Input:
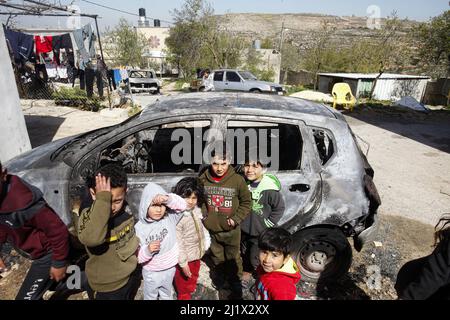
{"points": [[159, 213], [193, 238]]}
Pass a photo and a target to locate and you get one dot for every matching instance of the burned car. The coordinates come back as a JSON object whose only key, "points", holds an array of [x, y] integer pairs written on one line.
{"points": [[327, 183], [144, 81]]}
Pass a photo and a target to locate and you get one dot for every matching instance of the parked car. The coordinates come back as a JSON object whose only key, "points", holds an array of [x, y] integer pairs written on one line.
{"points": [[240, 80], [327, 183], [144, 81]]}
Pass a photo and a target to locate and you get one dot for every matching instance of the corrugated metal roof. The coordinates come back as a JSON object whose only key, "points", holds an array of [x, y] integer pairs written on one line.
{"points": [[372, 76]]}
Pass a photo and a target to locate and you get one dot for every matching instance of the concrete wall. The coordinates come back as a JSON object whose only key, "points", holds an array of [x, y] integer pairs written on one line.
{"points": [[14, 138], [156, 38]]}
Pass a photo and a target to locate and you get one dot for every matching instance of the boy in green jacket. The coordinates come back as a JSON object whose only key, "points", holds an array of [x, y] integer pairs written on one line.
{"points": [[228, 204], [107, 231]]}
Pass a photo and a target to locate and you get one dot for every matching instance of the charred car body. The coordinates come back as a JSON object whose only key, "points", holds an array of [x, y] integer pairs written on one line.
{"points": [[326, 180], [144, 81]]}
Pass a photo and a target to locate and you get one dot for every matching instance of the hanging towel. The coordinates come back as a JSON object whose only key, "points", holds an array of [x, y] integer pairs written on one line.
{"points": [[43, 44]]}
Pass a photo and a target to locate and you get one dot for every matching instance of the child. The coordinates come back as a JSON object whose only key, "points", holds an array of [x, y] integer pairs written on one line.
{"points": [[107, 231], [156, 230], [35, 231], [278, 273], [267, 210], [192, 237], [229, 203]]}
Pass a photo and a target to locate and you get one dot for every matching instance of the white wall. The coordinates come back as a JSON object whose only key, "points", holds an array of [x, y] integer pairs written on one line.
{"points": [[395, 89], [14, 138]]}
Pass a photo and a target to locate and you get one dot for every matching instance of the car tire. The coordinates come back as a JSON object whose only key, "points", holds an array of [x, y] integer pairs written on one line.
{"points": [[323, 254], [255, 91], [202, 89]]}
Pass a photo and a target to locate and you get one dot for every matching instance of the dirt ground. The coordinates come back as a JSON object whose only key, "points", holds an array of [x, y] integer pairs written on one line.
{"points": [[410, 153]]}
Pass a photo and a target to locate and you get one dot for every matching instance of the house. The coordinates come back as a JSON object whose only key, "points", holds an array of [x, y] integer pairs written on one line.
{"points": [[388, 86], [155, 35]]}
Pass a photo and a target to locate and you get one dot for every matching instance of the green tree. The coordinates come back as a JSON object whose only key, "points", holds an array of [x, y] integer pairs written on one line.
{"points": [[318, 55], [433, 41], [198, 41], [125, 46]]}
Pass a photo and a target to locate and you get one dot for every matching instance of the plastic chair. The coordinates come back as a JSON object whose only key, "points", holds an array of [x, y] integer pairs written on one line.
{"points": [[342, 94]]}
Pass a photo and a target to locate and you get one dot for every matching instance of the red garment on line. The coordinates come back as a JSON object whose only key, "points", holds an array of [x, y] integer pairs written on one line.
{"points": [[43, 44]]}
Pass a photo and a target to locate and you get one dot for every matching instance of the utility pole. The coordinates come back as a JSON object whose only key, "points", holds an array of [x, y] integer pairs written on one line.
{"points": [[281, 49], [103, 59]]}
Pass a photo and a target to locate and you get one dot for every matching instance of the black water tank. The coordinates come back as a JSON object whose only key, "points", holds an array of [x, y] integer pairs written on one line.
{"points": [[157, 23], [141, 12]]}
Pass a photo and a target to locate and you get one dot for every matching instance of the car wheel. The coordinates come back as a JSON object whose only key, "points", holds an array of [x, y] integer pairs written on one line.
{"points": [[255, 91], [322, 254], [202, 89]]}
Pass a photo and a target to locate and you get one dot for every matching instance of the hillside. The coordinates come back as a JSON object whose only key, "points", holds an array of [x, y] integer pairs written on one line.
{"points": [[299, 27]]}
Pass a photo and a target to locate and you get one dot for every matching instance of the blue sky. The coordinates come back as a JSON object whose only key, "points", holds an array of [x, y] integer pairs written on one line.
{"points": [[420, 10]]}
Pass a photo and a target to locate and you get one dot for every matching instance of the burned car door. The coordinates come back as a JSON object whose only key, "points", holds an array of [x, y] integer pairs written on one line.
{"points": [[161, 151], [286, 147]]}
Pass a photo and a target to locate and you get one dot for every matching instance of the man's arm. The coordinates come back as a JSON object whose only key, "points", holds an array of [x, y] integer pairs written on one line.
{"points": [[57, 234], [3, 237], [434, 275]]}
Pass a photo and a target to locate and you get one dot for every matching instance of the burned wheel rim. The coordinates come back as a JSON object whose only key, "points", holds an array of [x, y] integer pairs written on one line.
{"points": [[317, 255], [322, 254]]}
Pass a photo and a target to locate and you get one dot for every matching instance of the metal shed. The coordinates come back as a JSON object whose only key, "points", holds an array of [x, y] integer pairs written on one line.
{"points": [[388, 87]]}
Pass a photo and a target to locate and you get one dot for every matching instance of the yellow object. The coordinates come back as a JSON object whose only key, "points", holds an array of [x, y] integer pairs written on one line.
{"points": [[342, 94]]}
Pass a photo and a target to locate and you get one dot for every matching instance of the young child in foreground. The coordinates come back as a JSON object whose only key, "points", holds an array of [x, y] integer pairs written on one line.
{"points": [[159, 213], [193, 238], [277, 273], [106, 229]]}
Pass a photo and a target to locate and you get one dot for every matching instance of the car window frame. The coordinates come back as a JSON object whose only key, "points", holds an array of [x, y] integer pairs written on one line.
{"points": [[305, 163], [223, 76], [333, 139], [131, 129], [232, 72]]}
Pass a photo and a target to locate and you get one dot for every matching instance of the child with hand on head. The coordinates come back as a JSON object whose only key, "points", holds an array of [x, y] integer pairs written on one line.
{"points": [[193, 238], [278, 274], [106, 229], [159, 213]]}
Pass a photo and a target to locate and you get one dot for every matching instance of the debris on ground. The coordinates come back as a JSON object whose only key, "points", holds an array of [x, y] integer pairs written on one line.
{"points": [[411, 103]]}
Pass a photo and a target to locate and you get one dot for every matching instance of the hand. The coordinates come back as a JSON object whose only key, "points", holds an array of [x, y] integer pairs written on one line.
{"points": [[154, 246], [2, 265], [187, 271], [102, 183], [231, 222], [160, 199], [57, 274]]}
